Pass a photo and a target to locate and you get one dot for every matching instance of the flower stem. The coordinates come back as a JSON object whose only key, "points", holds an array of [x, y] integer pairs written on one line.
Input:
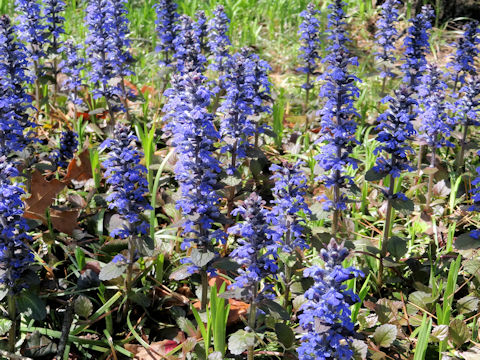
{"points": [[204, 300], [252, 320], [12, 314], [430, 180], [386, 230], [463, 143], [37, 87]]}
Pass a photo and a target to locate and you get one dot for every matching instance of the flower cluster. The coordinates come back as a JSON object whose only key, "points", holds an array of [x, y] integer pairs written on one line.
{"points": [[325, 316], [288, 200], [395, 130], [416, 46], [72, 66], [201, 29], [31, 28], [257, 252], [67, 149], [463, 62], [387, 35], [166, 22], [15, 102], [197, 169], [261, 97], [468, 106], [338, 113], [15, 256], [218, 40], [120, 31], [126, 178], [310, 38], [247, 87], [188, 52], [435, 126], [475, 192], [54, 22]]}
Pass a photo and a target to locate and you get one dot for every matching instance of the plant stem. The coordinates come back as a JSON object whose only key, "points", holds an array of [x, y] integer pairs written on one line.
{"points": [[288, 270], [430, 180], [12, 314], [204, 300], [336, 212], [128, 277], [37, 87], [386, 229], [124, 98], [463, 143], [252, 320]]}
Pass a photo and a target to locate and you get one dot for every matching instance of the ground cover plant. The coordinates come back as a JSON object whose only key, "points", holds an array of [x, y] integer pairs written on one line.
{"points": [[238, 180]]}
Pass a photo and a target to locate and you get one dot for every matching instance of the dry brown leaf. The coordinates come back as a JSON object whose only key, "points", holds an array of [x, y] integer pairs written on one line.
{"points": [[64, 220], [156, 351], [43, 194], [79, 168]]}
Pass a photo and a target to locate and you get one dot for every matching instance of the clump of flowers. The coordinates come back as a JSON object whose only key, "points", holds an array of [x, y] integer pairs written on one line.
{"points": [[54, 22], [475, 192], [67, 149], [127, 181], [15, 256], [72, 66], [14, 117], [201, 29], [416, 46], [310, 38], [237, 126], [188, 52], [325, 316], [467, 110], [218, 40], [338, 113], [166, 22], [463, 62], [31, 27], [387, 35]]}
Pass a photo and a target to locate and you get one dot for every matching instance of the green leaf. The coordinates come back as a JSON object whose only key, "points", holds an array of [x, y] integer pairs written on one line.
{"points": [[385, 334], [372, 175], [201, 258], [3, 292], [144, 245], [360, 349], [423, 337], [288, 259], [397, 247], [180, 273], [284, 334], [31, 305], [439, 333], [458, 332], [466, 242], [404, 206], [5, 325], [240, 341], [226, 264], [83, 306], [275, 309], [112, 271], [467, 304], [140, 299]]}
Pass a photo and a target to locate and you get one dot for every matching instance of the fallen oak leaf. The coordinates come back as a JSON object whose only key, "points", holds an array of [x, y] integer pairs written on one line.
{"points": [[43, 193], [64, 221], [79, 168]]}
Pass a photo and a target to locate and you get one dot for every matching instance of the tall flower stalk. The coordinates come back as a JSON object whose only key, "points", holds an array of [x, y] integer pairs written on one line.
{"points": [[395, 132], [435, 125], [256, 255], [188, 51], [166, 23], [287, 224], [386, 36], [309, 50], [463, 61], [326, 316], [72, 66], [128, 185], [201, 29], [338, 114], [31, 30], [197, 169], [218, 40], [467, 110]]}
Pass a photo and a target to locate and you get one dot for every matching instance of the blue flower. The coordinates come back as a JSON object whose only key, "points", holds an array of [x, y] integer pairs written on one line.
{"points": [[436, 124], [475, 194], [218, 40], [338, 113], [416, 46], [166, 22], [310, 39], [31, 27], [68, 146], [54, 22], [201, 29], [325, 316], [197, 169], [256, 252], [387, 35], [188, 52], [395, 132], [72, 66], [463, 62], [467, 108], [119, 33], [14, 100], [288, 200], [127, 181], [15, 256]]}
